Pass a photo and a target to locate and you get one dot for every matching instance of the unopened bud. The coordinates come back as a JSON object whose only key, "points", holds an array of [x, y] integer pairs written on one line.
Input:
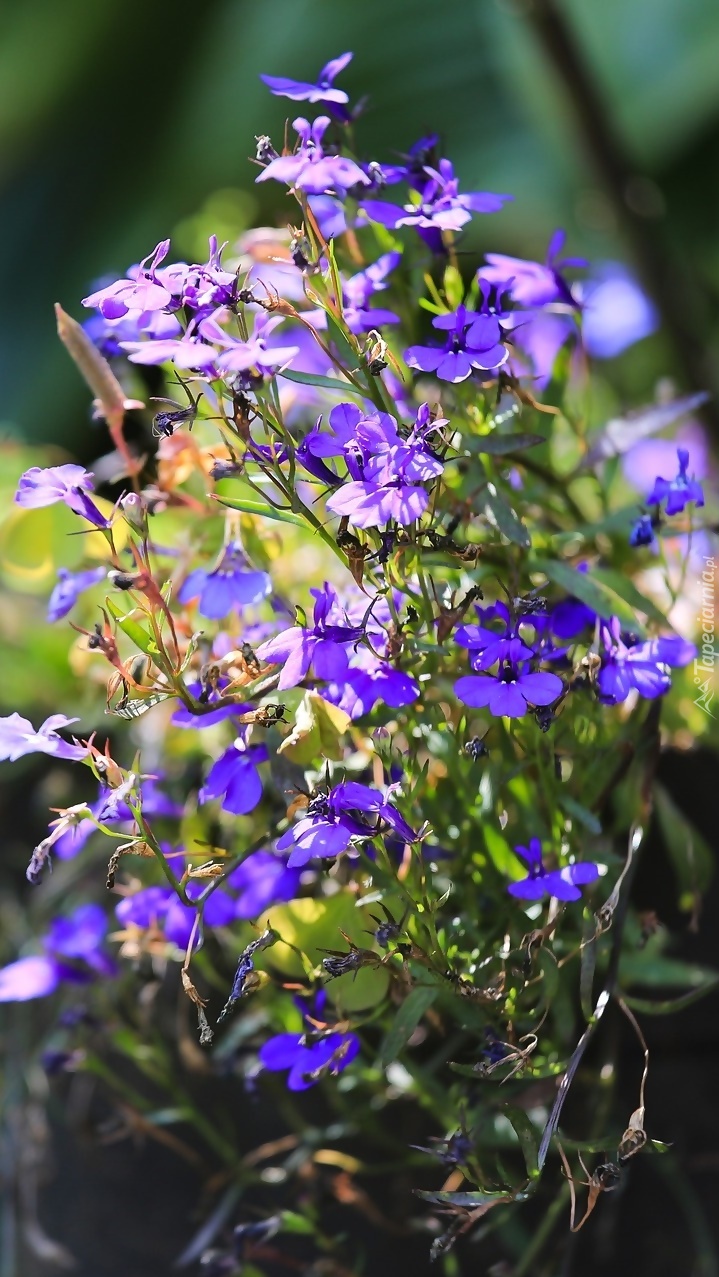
{"points": [[134, 508]]}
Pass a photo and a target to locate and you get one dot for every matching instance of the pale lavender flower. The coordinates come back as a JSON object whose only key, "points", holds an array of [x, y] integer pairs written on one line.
{"points": [[310, 168], [322, 91], [70, 484], [18, 738]]}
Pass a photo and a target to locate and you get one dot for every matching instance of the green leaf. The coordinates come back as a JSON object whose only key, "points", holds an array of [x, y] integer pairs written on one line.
{"points": [[648, 1006], [652, 970], [501, 515], [406, 1020], [689, 853], [261, 510], [579, 813], [583, 586], [317, 733], [527, 1136], [496, 445], [325, 383], [470, 1200], [139, 635], [627, 590]]}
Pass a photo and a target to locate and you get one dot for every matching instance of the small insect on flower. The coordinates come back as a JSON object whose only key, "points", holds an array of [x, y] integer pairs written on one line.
{"points": [[376, 352]]}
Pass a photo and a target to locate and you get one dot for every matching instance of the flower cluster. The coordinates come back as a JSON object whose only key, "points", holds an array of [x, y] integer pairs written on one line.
{"points": [[371, 640]]}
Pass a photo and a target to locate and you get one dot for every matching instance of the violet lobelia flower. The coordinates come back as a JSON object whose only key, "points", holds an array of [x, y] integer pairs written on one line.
{"points": [[644, 667], [73, 953], [18, 738], [487, 646], [474, 340], [677, 492], [441, 207], [508, 693], [329, 825], [310, 1055], [357, 293], [232, 584], [159, 909], [142, 291], [261, 880], [321, 646], [235, 779], [70, 585], [533, 283], [392, 477], [310, 168], [642, 531], [253, 355], [322, 91], [563, 883], [70, 484]]}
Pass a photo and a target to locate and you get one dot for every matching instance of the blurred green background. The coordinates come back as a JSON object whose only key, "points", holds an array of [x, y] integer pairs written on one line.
{"points": [[124, 121]]}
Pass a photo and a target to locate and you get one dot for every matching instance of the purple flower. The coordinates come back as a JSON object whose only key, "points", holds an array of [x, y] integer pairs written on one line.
{"points": [[159, 907], [255, 354], [187, 352], [262, 880], [474, 340], [322, 646], [490, 645], [322, 91], [70, 586], [508, 693], [615, 311], [234, 778], [328, 826], [642, 667], [231, 584], [533, 283], [18, 738], [73, 953], [441, 207], [677, 492], [357, 294], [113, 810], [562, 883], [390, 476], [40, 487], [310, 168], [142, 291], [570, 616], [642, 532], [370, 679], [311, 1054]]}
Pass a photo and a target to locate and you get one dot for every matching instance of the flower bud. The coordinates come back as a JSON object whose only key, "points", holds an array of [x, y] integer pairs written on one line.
{"points": [[134, 508]]}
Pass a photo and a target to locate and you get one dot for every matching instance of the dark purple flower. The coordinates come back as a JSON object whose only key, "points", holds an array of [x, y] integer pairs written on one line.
{"points": [[234, 778], [310, 168], [322, 91], [488, 646], [533, 283], [40, 487], [73, 953], [18, 738], [262, 880], [370, 679], [441, 207], [642, 532], [474, 340], [183, 717], [677, 492], [328, 827], [309, 1055], [322, 646], [231, 584], [508, 693], [70, 586], [564, 883]]}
